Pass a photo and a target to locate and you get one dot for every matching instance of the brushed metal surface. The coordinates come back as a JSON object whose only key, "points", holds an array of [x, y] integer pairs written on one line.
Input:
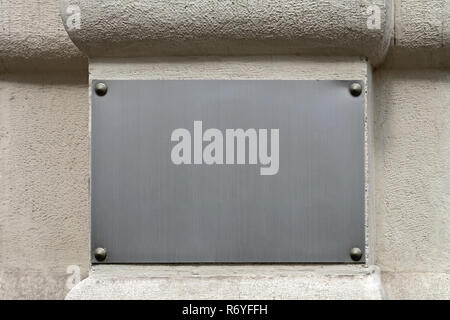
{"points": [[146, 209]]}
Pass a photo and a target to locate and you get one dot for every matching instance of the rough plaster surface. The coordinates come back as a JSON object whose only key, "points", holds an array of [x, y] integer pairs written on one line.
{"points": [[413, 181], [230, 282], [44, 163], [43, 123], [420, 24], [421, 34], [411, 32], [413, 170], [417, 285], [32, 37], [125, 28]]}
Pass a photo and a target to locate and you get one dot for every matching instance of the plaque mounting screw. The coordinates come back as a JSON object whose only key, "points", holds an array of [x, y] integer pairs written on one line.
{"points": [[355, 254], [101, 89], [100, 254], [355, 89]]}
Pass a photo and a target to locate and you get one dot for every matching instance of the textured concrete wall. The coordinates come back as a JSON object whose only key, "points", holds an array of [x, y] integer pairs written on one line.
{"points": [[32, 38], [44, 183], [44, 210], [44, 152], [421, 34], [127, 28], [413, 181]]}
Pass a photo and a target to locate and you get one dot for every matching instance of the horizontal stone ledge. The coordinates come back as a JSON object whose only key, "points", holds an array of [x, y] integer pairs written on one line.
{"points": [[128, 28], [33, 37], [422, 35], [417, 285], [230, 282]]}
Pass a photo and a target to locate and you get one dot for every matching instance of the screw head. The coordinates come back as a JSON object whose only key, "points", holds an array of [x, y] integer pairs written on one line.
{"points": [[355, 254], [355, 89], [101, 89], [100, 254]]}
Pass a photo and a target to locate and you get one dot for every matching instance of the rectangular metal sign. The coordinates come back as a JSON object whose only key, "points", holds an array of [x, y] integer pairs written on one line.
{"points": [[227, 171]]}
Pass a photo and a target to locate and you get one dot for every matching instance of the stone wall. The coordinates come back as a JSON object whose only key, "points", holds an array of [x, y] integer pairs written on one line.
{"points": [[44, 115]]}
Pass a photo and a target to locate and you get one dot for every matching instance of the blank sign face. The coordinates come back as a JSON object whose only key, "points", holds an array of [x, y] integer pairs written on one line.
{"points": [[232, 171]]}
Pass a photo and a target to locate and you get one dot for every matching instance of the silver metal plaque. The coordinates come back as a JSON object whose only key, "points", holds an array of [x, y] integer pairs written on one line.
{"points": [[227, 171]]}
